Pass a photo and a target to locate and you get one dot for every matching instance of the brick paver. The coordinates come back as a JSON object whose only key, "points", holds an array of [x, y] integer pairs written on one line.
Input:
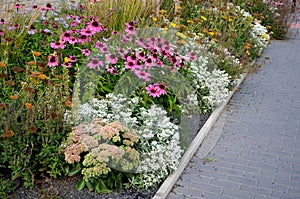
{"points": [[258, 152]]}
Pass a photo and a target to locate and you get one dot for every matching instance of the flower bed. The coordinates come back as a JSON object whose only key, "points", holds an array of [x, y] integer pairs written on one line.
{"points": [[109, 100]]}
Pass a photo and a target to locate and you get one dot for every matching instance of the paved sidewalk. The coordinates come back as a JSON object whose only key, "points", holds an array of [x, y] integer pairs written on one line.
{"points": [[256, 141]]}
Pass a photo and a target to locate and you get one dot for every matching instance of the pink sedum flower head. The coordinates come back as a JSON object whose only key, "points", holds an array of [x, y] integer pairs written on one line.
{"points": [[52, 61], [152, 91]]}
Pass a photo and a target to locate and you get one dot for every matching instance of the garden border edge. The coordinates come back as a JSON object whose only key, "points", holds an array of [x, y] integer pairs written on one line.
{"points": [[168, 184]]}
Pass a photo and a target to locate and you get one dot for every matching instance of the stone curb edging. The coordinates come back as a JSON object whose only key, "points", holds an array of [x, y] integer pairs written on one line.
{"points": [[168, 184]]}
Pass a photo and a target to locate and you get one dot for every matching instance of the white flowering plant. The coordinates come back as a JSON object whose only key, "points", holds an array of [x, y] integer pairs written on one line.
{"points": [[143, 147]]}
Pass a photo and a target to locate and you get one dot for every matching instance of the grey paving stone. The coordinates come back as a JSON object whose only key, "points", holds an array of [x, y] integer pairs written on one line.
{"points": [[258, 152]]}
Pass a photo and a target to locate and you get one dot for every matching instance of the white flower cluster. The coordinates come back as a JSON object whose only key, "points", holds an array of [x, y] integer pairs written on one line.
{"points": [[260, 35], [216, 81], [159, 139], [161, 143]]}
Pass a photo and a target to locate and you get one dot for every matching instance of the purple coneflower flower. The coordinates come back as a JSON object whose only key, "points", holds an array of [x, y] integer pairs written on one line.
{"points": [[142, 75], [1, 32], [48, 7], [131, 65], [66, 36], [72, 58], [130, 30], [112, 58], [95, 26], [52, 61], [111, 70], [18, 6], [192, 55], [86, 52], [57, 45], [67, 64], [152, 91], [95, 63], [2, 21], [72, 40], [87, 32], [161, 88], [115, 33]]}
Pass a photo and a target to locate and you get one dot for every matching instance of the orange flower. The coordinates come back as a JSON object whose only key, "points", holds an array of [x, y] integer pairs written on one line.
{"points": [[68, 103], [14, 97], [7, 134], [41, 76], [2, 105], [2, 64], [36, 54], [28, 105]]}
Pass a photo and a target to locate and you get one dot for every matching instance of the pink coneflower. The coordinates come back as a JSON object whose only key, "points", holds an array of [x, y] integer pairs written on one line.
{"points": [[83, 39], [72, 58], [132, 58], [95, 26], [48, 7], [72, 40], [111, 70], [1, 32], [148, 62], [142, 75], [115, 33], [34, 7], [52, 61], [140, 42], [67, 65], [192, 55], [152, 91], [95, 63], [2, 21], [131, 65], [18, 6], [101, 46], [66, 36], [57, 45], [86, 52], [130, 30], [112, 58], [141, 55], [161, 88], [87, 32]]}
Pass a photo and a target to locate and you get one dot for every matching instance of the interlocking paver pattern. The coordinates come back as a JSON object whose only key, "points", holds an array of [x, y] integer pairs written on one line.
{"points": [[257, 154]]}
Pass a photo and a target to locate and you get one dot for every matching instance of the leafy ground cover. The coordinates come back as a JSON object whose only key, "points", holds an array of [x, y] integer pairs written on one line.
{"points": [[105, 92]]}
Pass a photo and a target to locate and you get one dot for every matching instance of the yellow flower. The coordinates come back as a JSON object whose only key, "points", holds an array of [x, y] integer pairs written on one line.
{"points": [[272, 33], [190, 21], [173, 25], [211, 33], [183, 36], [204, 18], [178, 7], [264, 36], [230, 20], [200, 34], [248, 52], [154, 18], [162, 11], [66, 59]]}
